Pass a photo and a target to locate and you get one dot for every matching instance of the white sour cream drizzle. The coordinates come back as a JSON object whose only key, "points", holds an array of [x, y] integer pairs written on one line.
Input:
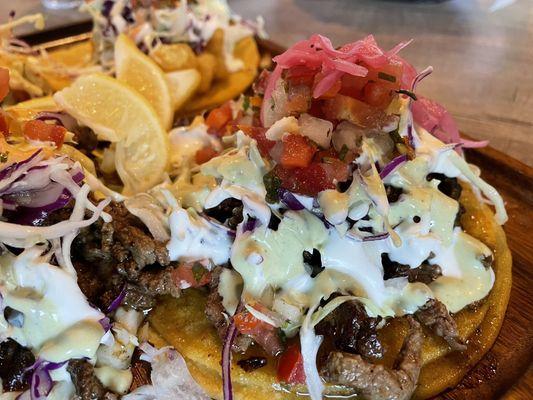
{"points": [[193, 238], [59, 323], [272, 260]]}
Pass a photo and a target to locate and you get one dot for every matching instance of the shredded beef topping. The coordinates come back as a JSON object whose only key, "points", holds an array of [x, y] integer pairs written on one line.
{"points": [[270, 341], [87, 385], [133, 247], [425, 273], [377, 382], [98, 282], [351, 330], [138, 298], [140, 370], [252, 363], [109, 255], [436, 317], [14, 360]]}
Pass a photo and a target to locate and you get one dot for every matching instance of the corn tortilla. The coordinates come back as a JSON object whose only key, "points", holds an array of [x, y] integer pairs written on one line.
{"points": [[182, 324]]}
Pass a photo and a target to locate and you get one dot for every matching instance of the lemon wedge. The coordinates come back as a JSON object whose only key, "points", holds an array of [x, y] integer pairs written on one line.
{"points": [[183, 85], [117, 113], [139, 71]]}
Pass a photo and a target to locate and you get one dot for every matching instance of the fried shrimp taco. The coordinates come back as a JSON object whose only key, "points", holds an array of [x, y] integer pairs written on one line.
{"points": [[358, 255], [201, 43]]}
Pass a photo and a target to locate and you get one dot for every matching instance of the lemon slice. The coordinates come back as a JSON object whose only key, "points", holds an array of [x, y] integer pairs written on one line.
{"points": [[183, 85], [139, 71], [120, 114]]}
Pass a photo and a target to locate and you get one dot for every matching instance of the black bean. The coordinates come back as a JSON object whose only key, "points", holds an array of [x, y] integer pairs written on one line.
{"points": [[252, 363]]}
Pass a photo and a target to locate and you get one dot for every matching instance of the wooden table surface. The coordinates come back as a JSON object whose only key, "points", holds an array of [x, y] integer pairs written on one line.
{"points": [[482, 59]]}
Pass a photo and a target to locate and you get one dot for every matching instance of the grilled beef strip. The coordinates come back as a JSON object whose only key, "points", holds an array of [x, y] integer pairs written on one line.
{"points": [[351, 330], [436, 317], [374, 381], [425, 273], [88, 386], [14, 361], [449, 186], [120, 254]]}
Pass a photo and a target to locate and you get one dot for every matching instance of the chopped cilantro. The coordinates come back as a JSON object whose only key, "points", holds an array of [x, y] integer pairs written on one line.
{"points": [[246, 103], [272, 184], [395, 136], [407, 93], [198, 271], [386, 77], [343, 152]]}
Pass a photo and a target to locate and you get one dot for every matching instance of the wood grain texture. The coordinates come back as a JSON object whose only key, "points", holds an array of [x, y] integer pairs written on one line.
{"points": [[482, 59]]}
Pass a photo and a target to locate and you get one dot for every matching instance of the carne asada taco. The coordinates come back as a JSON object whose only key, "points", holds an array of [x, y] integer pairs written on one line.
{"points": [[323, 236], [202, 42], [362, 259]]}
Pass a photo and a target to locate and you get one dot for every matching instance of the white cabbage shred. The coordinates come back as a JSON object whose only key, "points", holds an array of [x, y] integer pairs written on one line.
{"points": [[170, 376]]}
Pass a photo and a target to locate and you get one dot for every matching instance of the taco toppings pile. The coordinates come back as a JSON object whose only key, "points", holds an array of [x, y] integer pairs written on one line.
{"points": [[312, 237]]}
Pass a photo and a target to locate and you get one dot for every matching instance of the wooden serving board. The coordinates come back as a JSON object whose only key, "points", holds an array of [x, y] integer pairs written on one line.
{"points": [[512, 354]]}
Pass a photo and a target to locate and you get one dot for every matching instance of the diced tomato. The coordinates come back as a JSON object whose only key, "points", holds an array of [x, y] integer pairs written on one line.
{"points": [[307, 181], [263, 144], [355, 111], [383, 83], [191, 275], [298, 99], [247, 324], [301, 75], [336, 170], [297, 152], [325, 154], [204, 155], [378, 95], [218, 118], [4, 83], [40, 130], [353, 86], [332, 92], [256, 101], [291, 365]]}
